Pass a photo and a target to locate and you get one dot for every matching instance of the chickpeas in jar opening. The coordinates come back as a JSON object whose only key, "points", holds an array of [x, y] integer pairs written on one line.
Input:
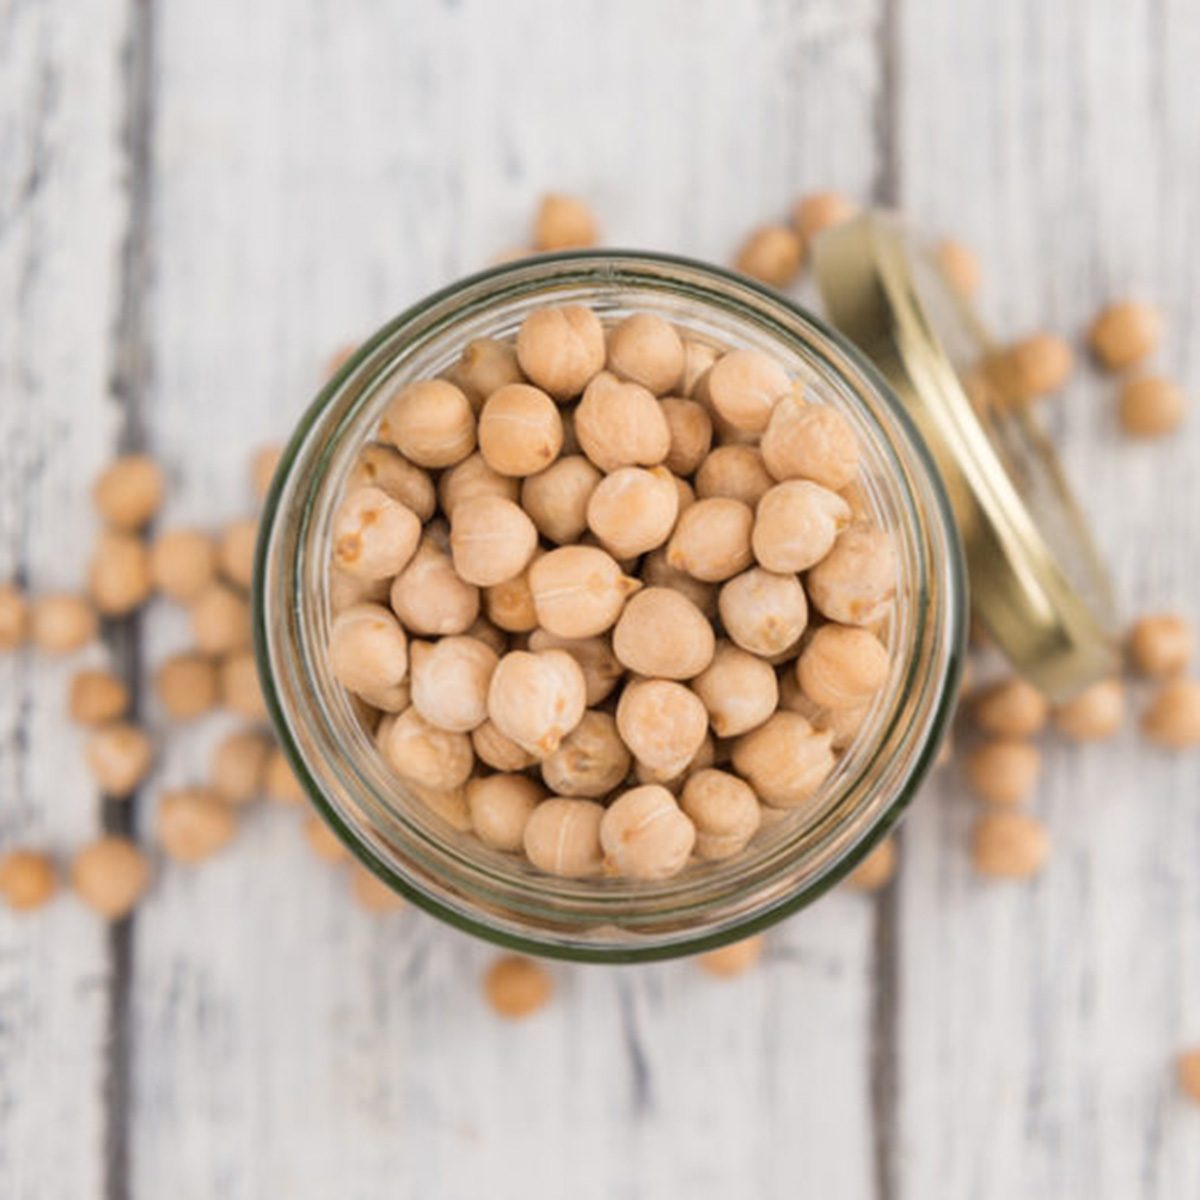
{"points": [[839, 572]]}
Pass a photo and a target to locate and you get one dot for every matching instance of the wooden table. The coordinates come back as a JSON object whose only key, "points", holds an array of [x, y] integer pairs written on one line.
{"points": [[198, 201]]}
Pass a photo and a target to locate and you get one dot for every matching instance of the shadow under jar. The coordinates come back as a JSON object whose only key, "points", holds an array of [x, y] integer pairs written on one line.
{"points": [[500, 896]]}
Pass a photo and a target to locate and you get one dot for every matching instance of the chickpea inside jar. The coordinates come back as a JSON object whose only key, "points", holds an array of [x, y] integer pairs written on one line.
{"points": [[591, 755]]}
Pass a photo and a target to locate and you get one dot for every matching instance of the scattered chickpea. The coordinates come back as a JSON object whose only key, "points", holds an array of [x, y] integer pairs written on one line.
{"points": [[1187, 1069], [621, 425], [193, 824], [737, 958], [562, 837], [501, 806], [691, 433], [536, 699], [323, 841], [450, 681], [119, 574], [843, 667], [1009, 845], [564, 223], [239, 686], [385, 468], [14, 617], [646, 835], [491, 540], [658, 572], [372, 894], [97, 697], [520, 430], [771, 254], [239, 766], [1125, 333], [368, 654], [1003, 770], [280, 782], [1095, 714], [818, 211], [662, 633], [499, 752], [561, 349], [762, 612], [579, 591], [724, 811], [119, 756], [129, 492], [736, 473], [796, 524], [785, 759], [959, 265], [509, 605], [429, 597], [60, 624], [1162, 645], [645, 349], [517, 987], [711, 541], [374, 535], [236, 551], [28, 880], [427, 756], [590, 761], [186, 686], [1010, 708], [633, 510], [557, 498], [485, 366], [1151, 406], [856, 580], [1173, 718], [183, 562], [601, 669], [663, 723], [744, 386], [1038, 365], [263, 465], [110, 876], [876, 870], [810, 441]]}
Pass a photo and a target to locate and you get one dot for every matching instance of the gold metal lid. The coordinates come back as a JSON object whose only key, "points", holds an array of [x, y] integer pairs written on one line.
{"points": [[1038, 586]]}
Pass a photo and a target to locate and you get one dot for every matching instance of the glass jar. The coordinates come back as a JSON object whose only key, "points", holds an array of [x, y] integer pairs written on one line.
{"points": [[499, 896]]}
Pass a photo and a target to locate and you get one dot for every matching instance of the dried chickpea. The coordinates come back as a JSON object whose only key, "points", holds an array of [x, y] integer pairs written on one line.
{"points": [[1187, 1070], [263, 464], [876, 870], [579, 591], [1011, 708], [711, 541], [431, 423], [517, 987], [600, 667], [449, 805], [61, 624], [193, 824], [785, 760], [771, 254], [450, 681], [110, 875], [186, 686], [500, 807], [856, 580], [1038, 365], [842, 723], [1095, 714], [621, 425], [645, 349], [491, 540], [724, 811], [1003, 770], [28, 880], [384, 467], [726, 962], [1173, 718], [763, 612], [842, 666], [510, 606], [239, 766], [633, 510], [119, 574], [1151, 406], [97, 697], [657, 572], [810, 441], [561, 349], [536, 699], [236, 549], [280, 782], [368, 655], [564, 223], [241, 691], [374, 535], [14, 617], [738, 689], [119, 756], [372, 894], [556, 499], [499, 752], [662, 723], [430, 598], [1009, 845], [743, 386], [691, 433], [183, 562], [520, 430], [736, 473], [646, 835], [663, 634], [704, 758], [959, 266], [1162, 645], [562, 837], [485, 366], [129, 492], [1125, 333], [590, 761], [796, 524], [818, 211], [489, 635], [427, 756], [698, 358]]}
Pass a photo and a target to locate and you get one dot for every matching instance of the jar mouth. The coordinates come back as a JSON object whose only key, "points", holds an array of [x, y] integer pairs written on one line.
{"points": [[499, 896]]}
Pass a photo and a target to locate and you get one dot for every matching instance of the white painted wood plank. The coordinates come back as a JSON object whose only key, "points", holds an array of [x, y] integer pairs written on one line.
{"points": [[1039, 1022], [319, 166], [62, 213]]}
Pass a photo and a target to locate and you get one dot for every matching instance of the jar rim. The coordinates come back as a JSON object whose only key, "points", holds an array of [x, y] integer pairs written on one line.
{"points": [[331, 417]]}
